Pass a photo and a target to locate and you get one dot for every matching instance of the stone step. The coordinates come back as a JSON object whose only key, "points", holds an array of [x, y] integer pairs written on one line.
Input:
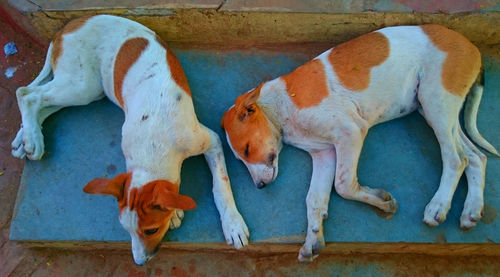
{"points": [[242, 23], [401, 156]]}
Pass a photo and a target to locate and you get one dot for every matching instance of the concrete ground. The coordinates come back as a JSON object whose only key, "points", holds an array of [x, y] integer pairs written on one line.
{"points": [[217, 76], [18, 260]]}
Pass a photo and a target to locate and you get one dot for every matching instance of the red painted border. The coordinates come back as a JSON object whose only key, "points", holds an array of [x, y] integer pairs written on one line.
{"points": [[7, 18]]}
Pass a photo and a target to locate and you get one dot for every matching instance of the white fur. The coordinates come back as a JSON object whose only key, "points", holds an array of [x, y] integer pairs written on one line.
{"points": [[260, 173], [333, 131], [154, 148], [129, 221]]}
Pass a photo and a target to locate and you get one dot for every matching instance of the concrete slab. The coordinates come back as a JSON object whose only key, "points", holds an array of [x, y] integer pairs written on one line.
{"points": [[244, 28], [454, 6], [344, 6], [347, 6], [401, 156], [65, 5], [310, 6]]}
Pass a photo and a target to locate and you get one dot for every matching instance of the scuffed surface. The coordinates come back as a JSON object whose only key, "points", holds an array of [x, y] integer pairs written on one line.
{"points": [[401, 156]]}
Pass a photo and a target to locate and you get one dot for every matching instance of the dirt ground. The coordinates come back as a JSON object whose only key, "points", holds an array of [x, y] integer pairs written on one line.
{"points": [[19, 260]]}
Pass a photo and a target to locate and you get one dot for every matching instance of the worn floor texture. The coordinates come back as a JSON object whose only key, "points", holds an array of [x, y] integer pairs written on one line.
{"points": [[18, 260], [74, 135]]}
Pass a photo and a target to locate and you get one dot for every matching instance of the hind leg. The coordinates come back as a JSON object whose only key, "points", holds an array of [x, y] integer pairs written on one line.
{"points": [[441, 110], [43, 77], [475, 172], [348, 148], [36, 103]]}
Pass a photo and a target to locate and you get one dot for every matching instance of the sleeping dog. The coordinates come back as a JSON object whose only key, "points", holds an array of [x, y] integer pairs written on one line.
{"points": [[104, 55], [327, 106]]}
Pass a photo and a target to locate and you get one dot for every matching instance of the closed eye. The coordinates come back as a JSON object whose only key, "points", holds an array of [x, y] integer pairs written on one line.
{"points": [[246, 150], [150, 232]]}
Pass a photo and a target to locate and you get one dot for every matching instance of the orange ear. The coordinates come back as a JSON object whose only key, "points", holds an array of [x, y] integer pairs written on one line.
{"points": [[112, 186], [171, 200], [246, 104], [222, 120], [250, 97]]}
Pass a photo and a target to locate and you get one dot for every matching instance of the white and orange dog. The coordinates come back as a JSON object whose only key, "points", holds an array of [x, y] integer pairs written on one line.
{"points": [[103, 55], [327, 106]]}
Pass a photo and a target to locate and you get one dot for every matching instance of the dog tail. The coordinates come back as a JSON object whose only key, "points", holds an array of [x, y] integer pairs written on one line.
{"points": [[46, 74], [470, 117]]}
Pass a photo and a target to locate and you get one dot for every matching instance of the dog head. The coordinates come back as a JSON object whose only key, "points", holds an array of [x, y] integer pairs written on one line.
{"points": [[145, 211], [253, 138]]}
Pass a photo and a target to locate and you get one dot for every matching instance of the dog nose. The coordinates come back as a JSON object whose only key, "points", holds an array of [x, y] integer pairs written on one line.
{"points": [[261, 185]]}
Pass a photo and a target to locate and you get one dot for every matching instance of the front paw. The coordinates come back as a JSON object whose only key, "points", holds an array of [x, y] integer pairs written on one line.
{"points": [[176, 220], [315, 242], [435, 212], [235, 230]]}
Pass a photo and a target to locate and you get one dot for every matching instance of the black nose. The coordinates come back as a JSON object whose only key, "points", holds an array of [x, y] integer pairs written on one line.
{"points": [[261, 185]]}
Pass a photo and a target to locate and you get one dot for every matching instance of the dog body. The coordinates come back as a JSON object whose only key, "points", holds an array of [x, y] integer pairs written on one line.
{"points": [[103, 55], [327, 106]]}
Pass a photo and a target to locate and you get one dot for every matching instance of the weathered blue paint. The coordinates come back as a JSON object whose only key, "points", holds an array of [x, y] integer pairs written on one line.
{"points": [[401, 156]]}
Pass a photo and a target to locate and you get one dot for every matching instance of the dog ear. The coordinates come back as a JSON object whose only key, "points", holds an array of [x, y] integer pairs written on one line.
{"points": [[246, 104], [166, 200], [253, 95], [222, 120], [112, 186]]}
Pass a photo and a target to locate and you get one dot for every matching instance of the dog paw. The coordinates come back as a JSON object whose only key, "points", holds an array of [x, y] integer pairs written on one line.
{"points": [[17, 145], [472, 213], [435, 213], [176, 220], [315, 242], [33, 143], [390, 205], [235, 230]]}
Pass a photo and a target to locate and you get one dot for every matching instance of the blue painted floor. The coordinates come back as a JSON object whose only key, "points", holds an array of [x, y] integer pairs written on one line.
{"points": [[401, 156]]}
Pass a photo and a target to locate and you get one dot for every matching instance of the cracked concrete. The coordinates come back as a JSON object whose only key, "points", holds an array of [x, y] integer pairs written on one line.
{"points": [[244, 23], [295, 6]]}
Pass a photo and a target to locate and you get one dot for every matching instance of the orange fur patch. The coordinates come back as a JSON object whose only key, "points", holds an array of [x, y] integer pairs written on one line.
{"points": [[155, 203], [144, 201], [246, 124], [352, 61], [307, 86], [128, 54], [175, 68], [115, 186], [463, 60], [71, 27]]}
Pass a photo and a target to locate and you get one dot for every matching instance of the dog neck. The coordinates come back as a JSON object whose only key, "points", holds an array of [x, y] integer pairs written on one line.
{"points": [[141, 176], [267, 102]]}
